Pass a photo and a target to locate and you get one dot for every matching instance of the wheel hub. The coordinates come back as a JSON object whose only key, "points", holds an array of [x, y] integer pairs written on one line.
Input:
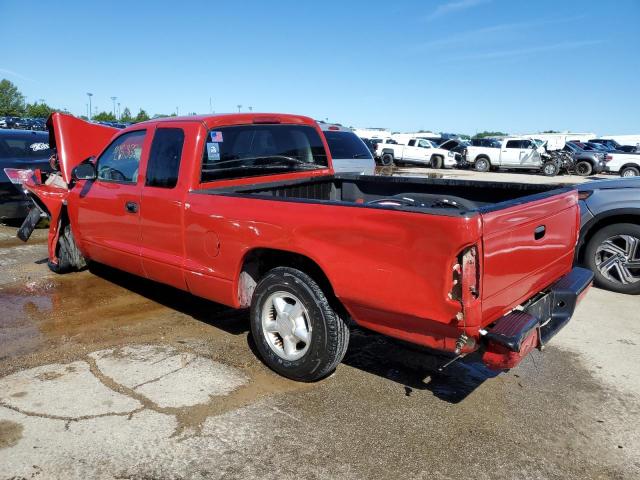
{"points": [[618, 259], [286, 325]]}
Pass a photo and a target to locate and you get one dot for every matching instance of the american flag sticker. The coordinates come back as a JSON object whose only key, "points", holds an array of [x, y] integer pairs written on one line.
{"points": [[216, 136]]}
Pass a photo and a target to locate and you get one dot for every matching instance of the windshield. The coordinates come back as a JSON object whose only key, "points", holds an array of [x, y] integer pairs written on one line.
{"points": [[250, 150], [346, 145]]}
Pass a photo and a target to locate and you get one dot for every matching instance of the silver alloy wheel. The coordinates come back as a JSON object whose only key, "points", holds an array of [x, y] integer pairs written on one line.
{"points": [[482, 165], [628, 173], [618, 259], [549, 169], [286, 325]]}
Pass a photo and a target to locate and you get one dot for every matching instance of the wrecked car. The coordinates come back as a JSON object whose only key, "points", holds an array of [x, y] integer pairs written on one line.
{"points": [[246, 210]]}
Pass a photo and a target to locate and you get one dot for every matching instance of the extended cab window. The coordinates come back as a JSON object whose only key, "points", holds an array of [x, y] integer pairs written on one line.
{"points": [[514, 144], [164, 158], [252, 150], [120, 161]]}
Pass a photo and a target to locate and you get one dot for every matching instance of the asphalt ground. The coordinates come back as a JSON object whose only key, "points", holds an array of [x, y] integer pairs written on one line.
{"points": [[108, 376]]}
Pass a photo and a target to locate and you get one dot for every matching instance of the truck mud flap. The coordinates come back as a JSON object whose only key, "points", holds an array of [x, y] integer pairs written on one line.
{"points": [[29, 224]]}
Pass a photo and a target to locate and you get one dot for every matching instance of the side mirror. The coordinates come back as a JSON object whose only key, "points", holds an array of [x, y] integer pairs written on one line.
{"points": [[85, 171]]}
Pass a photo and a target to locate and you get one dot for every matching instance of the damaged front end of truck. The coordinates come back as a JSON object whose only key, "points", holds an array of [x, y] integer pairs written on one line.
{"points": [[72, 141]]}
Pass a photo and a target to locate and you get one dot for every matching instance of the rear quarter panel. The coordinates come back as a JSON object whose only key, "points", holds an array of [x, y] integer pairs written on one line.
{"points": [[392, 270]]}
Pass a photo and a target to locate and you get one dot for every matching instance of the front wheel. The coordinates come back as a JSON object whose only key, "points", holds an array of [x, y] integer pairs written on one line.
{"points": [[436, 162], [613, 254], [583, 168], [630, 172], [550, 169], [386, 159], [296, 332], [68, 254]]}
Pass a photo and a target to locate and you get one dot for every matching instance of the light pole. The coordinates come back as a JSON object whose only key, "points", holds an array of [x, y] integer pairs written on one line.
{"points": [[239, 108], [251, 109], [118, 115], [113, 99], [89, 95]]}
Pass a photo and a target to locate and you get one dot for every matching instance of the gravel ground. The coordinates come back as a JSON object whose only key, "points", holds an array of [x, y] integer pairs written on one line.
{"points": [[104, 375]]}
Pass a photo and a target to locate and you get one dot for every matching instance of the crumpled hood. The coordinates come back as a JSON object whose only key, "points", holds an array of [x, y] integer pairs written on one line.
{"points": [[76, 140]]}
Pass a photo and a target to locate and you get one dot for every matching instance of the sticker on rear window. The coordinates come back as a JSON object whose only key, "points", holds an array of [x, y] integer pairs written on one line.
{"points": [[213, 152], [216, 136]]}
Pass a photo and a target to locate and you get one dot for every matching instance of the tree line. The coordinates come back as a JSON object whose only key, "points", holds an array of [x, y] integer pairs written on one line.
{"points": [[14, 104]]}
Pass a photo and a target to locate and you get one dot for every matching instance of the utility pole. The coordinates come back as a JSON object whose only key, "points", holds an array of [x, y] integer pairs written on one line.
{"points": [[89, 95], [177, 111], [239, 108], [118, 114], [113, 99]]}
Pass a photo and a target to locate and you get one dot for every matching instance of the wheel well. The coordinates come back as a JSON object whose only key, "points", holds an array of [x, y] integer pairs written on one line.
{"points": [[259, 261], [482, 156], [600, 224], [632, 165], [385, 151]]}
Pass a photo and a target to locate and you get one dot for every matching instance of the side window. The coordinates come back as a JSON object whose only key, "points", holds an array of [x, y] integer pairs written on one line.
{"points": [[525, 144], [411, 143], [514, 144], [120, 161], [164, 158]]}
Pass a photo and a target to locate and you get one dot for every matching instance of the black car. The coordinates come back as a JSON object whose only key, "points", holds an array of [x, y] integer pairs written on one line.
{"points": [[613, 145], [610, 233], [20, 150]]}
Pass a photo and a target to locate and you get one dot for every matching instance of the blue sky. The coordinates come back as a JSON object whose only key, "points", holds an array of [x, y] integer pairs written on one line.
{"points": [[450, 65]]}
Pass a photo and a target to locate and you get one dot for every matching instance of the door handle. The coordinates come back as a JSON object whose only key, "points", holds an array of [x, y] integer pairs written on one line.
{"points": [[131, 207], [539, 232]]}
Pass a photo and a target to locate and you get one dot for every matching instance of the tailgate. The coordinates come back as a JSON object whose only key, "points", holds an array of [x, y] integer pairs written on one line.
{"points": [[526, 247]]}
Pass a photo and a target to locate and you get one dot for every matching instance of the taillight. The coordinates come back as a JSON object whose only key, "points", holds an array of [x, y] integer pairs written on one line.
{"points": [[333, 127], [608, 158], [18, 176], [265, 119]]}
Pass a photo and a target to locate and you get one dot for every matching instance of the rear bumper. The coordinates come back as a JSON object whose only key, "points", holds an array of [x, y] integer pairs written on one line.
{"points": [[513, 336]]}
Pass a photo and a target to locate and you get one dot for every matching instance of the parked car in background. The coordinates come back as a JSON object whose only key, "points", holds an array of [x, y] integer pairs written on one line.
{"points": [[19, 151], [610, 233], [417, 151], [511, 153], [8, 121], [625, 164], [348, 152], [456, 146], [614, 145], [371, 145], [585, 162]]}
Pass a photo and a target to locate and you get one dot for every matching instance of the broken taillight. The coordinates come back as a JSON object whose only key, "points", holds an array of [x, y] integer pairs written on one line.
{"points": [[17, 175]]}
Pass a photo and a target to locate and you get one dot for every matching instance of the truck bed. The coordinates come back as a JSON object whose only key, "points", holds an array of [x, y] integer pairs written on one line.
{"points": [[434, 196]]}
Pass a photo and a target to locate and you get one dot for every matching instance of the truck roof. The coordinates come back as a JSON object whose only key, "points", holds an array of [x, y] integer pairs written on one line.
{"points": [[227, 119]]}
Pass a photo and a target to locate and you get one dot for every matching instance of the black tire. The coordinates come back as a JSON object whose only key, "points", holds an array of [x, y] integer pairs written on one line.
{"points": [[583, 168], [69, 256], [437, 161], [550, 169], [387, 159], [630, 172], [482, 164], [611, 231], [329, 333]]}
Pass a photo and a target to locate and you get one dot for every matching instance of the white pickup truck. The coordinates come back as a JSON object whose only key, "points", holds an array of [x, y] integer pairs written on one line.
{"points": [[511, 153], [418, 151], [626, 164]]}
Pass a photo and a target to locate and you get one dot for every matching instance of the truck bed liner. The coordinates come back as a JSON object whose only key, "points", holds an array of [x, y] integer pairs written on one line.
{"points": [[353, 190]]}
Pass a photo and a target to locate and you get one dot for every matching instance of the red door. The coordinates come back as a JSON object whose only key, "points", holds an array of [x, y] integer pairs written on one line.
{"points": [[109, 207], [166, 182]]}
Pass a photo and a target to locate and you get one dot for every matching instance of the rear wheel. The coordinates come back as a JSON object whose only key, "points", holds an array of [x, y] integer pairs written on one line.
{"points": [[629, 172], [583, 168], [296, 331], [482, 165], [436, 162], [613, 254], [550, 169], [386, 159]]}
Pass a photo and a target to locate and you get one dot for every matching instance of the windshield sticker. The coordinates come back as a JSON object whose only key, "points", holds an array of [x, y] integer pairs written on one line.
{"points": [[213, 152], [216, 136], [36, 147]]}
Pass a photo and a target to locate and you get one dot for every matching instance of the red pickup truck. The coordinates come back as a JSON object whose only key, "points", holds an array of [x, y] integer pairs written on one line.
{"points": [[245, 210]]}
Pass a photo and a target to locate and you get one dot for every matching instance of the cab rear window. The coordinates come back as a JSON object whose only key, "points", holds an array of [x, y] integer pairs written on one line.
{"points": [[255, 150]]}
